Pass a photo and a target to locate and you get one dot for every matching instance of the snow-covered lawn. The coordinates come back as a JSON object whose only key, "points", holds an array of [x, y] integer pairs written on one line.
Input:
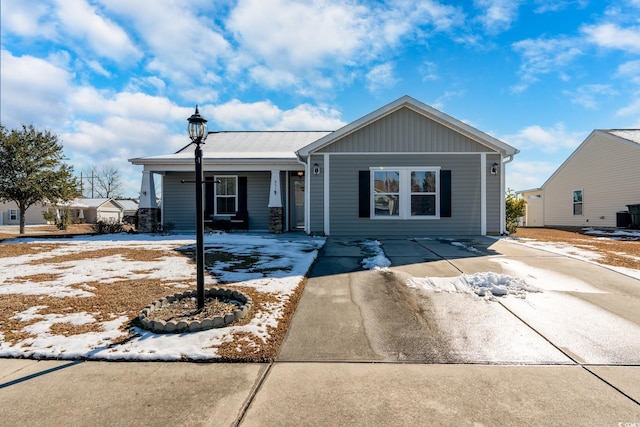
{"points": [[77, 298]]}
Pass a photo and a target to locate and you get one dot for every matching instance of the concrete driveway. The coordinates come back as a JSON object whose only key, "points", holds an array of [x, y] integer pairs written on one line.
{"points": [[366, 349], [584, 313]]}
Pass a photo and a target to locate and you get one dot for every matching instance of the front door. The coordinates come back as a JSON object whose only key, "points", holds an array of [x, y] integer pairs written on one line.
{"points": [[296, 202]]}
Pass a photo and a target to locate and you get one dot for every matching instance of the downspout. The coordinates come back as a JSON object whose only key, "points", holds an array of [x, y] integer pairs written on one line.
{"points": [[307, 196], [503, 213]]}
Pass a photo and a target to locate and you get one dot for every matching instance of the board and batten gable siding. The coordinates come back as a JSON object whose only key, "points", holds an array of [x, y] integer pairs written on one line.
{"points": [[404, 131], [607, 170], [179, 199], [343, 202]]}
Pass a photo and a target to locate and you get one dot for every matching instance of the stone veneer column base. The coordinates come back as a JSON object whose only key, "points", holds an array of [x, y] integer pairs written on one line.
{"points": [[275, 220], [147, 220]]}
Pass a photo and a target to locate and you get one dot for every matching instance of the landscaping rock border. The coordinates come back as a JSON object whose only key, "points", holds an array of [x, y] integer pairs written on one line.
{"points": [[171, 327]]}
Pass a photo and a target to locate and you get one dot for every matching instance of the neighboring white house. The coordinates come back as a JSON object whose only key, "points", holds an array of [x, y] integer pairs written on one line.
{"points": [[10, 214], [598, 180], [91, 210], [129, 207]]}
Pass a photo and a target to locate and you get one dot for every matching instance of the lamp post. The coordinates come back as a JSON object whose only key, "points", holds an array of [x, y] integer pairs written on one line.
{"points": [[198, 133]]}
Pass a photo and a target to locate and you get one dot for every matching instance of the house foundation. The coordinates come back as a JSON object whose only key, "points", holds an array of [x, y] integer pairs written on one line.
{"points": [[147, 220], [276, 220]]}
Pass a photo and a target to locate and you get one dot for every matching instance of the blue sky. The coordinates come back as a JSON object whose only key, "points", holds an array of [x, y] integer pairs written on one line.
{"points": [[117, 79]]}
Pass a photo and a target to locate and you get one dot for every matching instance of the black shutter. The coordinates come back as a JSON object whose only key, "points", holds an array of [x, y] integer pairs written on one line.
{"points": [[364, 194], [242, 194], [209, 198], [445, 194]]}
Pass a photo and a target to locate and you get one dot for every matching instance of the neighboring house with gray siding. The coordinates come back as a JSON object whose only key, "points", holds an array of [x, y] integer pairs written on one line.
{"points": [[404, 169], [598, 180]]}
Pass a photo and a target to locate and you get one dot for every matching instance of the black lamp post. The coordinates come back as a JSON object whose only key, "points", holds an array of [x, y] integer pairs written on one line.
{"points": [[198, 133]]}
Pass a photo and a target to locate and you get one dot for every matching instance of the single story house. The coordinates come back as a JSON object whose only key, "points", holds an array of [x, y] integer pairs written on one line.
{"points": [[596, 182], [403, 169], [90, 210], [129, 207], [10, 214]]}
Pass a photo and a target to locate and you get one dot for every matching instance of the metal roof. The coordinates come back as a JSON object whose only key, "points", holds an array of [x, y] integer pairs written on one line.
{"points": [[628, 134]]}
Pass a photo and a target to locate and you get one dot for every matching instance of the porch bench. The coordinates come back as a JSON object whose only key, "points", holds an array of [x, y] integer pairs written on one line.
{"points": [[240, 221]]}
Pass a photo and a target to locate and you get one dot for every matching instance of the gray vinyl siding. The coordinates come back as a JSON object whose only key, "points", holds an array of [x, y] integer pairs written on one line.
{"points": [[494, 198], [179, 205], [316, 207], [405, 131], [466, 215], [179, 199]]}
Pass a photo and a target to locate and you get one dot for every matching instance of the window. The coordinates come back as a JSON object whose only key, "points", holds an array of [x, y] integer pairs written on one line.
{"points": [[405, 192], [226, 199], [386, 193], [423, 193], [13, 214], [577, 202]]}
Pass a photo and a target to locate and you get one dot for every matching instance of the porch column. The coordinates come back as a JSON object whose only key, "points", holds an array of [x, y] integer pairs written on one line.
{"points": [[148, 207], [276, 215]]}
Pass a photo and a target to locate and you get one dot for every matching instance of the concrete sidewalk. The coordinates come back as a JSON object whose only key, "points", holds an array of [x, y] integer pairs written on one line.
{"points": [[363, 350], [313, 394]]}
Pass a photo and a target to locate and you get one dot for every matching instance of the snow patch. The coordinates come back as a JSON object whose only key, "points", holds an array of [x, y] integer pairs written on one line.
{"points": [[378, 261], [485, 284]]}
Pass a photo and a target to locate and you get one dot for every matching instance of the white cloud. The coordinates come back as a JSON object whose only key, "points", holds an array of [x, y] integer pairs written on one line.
{"points": [[302, 42], [300, 35], [613, 36], [381, 77], [548, 140], [105, 38], [632, 109], [33, 91], [544, 6], [183, 44], [26, 19], [264, 115], [590, 96], [498, 14], [440, 102], [545, 56], [524, 175]]}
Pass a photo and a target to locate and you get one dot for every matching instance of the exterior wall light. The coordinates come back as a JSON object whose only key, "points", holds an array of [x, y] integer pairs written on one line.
{"points": [[316, 169], [494, 169]]}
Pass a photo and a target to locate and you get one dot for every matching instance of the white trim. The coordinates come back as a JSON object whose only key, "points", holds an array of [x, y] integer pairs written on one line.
{"points": [[407, 153], [275, 189], [483, 194], [307, 197], [326, 189], [404, 192], [573, 202], [287, 202], [215, 195]]}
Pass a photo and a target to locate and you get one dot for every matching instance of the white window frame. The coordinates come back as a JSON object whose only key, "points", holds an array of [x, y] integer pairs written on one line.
{"points": [[215, 195], [14, 214], [405, 192], [574, 203]]}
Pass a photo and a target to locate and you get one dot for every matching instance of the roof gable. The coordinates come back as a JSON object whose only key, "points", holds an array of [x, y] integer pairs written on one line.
{"points": [[612, 135], [420, 108]]}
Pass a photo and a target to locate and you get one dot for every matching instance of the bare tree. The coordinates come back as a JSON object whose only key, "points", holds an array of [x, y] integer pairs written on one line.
{"points": [[104, 182]]}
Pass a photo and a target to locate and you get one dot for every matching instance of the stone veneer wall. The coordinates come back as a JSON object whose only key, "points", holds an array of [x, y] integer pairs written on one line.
{"points": [[147, 220], [276, 219]]}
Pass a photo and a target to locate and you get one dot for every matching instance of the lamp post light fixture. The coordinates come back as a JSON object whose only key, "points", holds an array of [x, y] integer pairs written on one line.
{"points": [[198, 133]]}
